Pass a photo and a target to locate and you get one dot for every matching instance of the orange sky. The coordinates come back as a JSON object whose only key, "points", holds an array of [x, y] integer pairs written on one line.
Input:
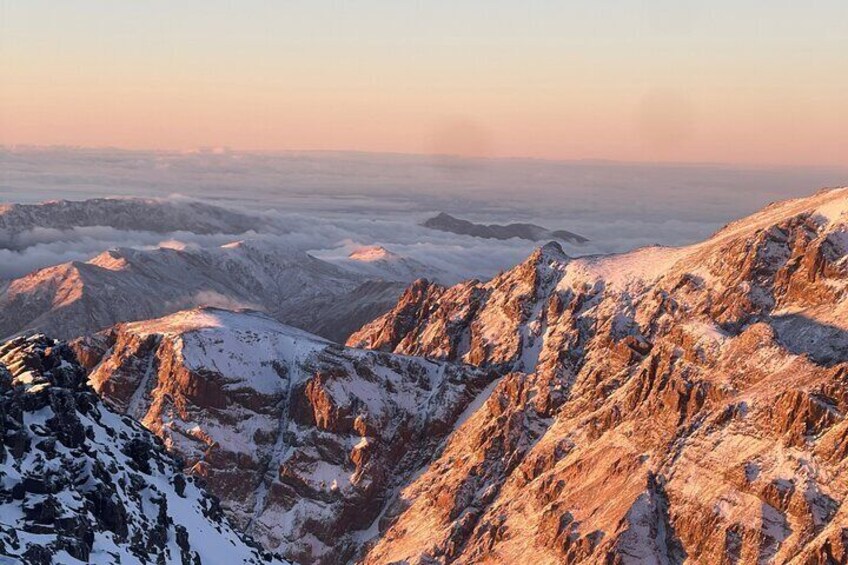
{"points": [[741, 82]]}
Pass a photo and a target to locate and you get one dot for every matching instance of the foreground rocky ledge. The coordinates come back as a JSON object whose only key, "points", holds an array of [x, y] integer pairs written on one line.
{"points": [[82, 484]]}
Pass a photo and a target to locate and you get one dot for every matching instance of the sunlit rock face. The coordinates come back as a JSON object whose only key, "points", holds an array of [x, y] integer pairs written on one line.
{"points": [[661, 406]]}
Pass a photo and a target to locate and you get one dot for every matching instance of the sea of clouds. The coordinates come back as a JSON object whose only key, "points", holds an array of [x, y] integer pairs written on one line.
{"points": [[332, 203]]}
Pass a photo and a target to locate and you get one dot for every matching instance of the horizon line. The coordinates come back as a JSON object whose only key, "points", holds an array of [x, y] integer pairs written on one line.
{"points": [[228, 150]]}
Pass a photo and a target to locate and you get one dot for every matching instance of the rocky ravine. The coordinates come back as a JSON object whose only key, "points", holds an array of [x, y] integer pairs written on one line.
{"points": [[661, 406], [82, 484], [305, 441]]}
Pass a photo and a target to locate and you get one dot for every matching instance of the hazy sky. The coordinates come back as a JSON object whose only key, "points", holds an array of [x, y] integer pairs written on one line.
{"points": [[724, 81]]}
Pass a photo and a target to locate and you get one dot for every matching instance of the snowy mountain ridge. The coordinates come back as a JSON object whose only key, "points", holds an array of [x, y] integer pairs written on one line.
{"points": [[119, 285]]}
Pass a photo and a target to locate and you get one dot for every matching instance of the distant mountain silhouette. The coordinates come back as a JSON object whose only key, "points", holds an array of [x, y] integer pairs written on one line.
{"points": [[532, 232]]}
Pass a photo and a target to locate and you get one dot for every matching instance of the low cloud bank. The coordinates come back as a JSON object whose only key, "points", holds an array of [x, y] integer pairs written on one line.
{"points": [[44, 247], [329, 203]]}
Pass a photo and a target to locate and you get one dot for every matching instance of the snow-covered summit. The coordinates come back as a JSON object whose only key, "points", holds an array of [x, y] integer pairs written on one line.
{"points": [[373, 253], [245, 347], [209, 319], [378, 262]]}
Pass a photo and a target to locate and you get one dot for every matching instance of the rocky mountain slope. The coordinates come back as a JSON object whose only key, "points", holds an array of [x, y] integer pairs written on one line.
{"points": [[532, 232], [119, 285], [663, 406], [305, 441], [82, 484]]}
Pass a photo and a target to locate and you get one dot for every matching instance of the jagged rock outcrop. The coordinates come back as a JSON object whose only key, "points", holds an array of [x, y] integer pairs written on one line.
{"points": [[80, 483], [489, 324], [661, 406], [305, 441]]}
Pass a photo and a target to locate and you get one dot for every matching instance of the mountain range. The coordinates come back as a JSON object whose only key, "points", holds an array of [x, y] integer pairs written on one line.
{"points": [[666, 405], [127, 214], [124, 284], [661, 406]]}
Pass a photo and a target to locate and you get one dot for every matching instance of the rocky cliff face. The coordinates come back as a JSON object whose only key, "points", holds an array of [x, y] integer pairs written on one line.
{"points": [[662, 406], [80, 483], [304, 441]]}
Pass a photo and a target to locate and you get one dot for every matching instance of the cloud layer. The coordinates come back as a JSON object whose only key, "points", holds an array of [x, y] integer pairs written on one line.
{"points": [[329, 203]]}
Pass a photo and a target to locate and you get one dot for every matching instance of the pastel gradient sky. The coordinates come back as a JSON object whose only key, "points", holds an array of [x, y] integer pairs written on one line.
{"points": [[743, 81]]}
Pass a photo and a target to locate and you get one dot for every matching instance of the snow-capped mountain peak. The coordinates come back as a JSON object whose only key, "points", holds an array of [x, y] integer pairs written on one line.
{"points": [[373, 253], [284, 426]]}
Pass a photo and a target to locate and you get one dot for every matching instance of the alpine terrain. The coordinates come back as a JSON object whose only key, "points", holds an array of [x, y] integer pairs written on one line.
{"points": [[304, 440], [424, 283], [661, 406], [124, 284]]}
